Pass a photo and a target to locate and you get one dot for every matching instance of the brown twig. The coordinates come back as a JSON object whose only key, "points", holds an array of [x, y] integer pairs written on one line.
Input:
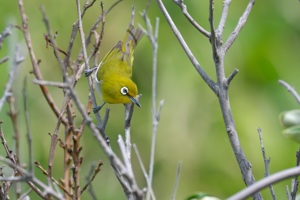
{"points": [[13, 114], [92, 175], [49, 42], [27, 122], [34, 61], [33, 182], [39, 166]]}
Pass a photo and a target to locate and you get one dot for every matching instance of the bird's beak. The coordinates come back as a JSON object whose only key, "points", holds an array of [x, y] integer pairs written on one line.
{"points": [[135, 101]]}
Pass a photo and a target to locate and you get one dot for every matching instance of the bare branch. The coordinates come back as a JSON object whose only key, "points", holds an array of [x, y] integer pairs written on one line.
{"points": [[191, 19], [291, 90], [34, 61], [128, 116], [265, 182], [231, 76], [82, 38], [51, 83], [295, 181], [149, 184], [153, 38], [6, 32], [27, 122], [38, 165], [32, 181], [266, 162], [92, 177], [226, 4], [176, 180], [240, 25], [7, 92], [213, 38]]}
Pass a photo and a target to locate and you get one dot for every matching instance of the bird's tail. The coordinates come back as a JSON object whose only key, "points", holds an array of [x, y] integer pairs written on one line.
{"points": [[134, 35], [131, 39]]}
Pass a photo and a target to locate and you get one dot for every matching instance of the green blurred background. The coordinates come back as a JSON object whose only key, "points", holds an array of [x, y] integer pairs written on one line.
{"points": [[191, 128]]}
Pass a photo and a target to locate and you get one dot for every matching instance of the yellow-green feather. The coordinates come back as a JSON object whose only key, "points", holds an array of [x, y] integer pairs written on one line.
{"points": [[116, 69]]}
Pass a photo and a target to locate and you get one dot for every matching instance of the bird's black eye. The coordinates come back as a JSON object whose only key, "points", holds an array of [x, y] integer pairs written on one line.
{"points": [[124, 91]]}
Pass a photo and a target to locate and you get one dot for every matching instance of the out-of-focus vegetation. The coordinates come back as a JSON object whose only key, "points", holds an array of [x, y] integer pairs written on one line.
{"points": [[191, 128]]}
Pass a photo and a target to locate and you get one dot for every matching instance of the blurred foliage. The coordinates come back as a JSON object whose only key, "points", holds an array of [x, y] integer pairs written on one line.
{"points": [[191, 127]]}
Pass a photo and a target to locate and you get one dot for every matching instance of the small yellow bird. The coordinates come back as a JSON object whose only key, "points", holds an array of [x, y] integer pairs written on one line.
{"points": [[115, 71]]}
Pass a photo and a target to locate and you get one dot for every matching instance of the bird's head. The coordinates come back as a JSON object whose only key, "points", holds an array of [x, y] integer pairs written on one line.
{"points": [[120, 90]]}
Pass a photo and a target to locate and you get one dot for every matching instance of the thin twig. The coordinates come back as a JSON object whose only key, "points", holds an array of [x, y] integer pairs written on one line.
{"points": [[53, 44], [17, 60], [6, 32], [181, 4], [38, 165], [295, 181], [291, 90], [25, 195], [231, 76], [50, 83], [32, 181], [153, 38], [214, 40], [149, 184], [74, 32], [13, 114], [288, 194], [176, 180], [226, 4], [266, 162], [242, 21], [134, 191], [34, 61], [186, 48], [128, 116], [27, 122], [92, 176], [82, 37]]}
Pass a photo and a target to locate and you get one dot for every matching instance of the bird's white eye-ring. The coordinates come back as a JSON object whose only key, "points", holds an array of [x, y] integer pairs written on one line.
{"points": [[124, 91]]}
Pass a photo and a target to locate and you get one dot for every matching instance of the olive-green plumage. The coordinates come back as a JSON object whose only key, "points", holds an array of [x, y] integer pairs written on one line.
{"points": [[115, 71]]}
